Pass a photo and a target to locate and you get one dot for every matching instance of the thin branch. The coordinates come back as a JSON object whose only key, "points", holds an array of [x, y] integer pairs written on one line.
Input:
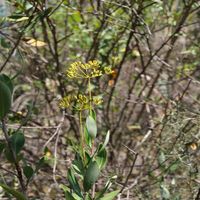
{"points": [[130, 172], [17, 166]]}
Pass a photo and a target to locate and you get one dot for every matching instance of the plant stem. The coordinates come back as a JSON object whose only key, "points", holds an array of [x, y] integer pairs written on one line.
{"points": [[17, 167], [82, 135], [90, 95]]}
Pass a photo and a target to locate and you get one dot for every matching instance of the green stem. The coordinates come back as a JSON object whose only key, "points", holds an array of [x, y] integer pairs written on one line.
{"points": [[90, 109], [82, 135], [90, 95]]}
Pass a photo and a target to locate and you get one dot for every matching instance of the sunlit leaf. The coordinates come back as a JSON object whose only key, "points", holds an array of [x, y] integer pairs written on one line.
{"points": [[91, 126], [106, 139], [36, 43], [111, 195], [101, 157]]}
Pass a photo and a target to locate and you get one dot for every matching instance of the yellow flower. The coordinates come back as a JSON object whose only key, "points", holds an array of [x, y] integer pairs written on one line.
{"points": [[108, 70], [65, 102], [79, 102], [97, 100], [87, 70], [82, 102]]}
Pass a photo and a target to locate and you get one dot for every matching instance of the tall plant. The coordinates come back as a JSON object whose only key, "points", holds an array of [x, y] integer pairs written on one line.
{"points": [[90, 157]]}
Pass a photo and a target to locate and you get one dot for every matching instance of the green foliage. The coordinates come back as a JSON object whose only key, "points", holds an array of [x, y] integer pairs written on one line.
{"points": [[14, 193], [68, 196], [74, 183], [28, 172], [5, 79], [152, 48], [101, 156], [110, 196], [6, 89], [91, 126], [91, 175], [17, 141]]}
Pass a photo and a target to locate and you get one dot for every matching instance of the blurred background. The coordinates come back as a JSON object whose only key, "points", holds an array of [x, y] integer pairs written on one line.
{"points": [[150, 101]]}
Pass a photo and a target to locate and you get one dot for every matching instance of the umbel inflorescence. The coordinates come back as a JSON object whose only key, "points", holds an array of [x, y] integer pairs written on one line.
{"points": [[89, 70], [82, 101]]}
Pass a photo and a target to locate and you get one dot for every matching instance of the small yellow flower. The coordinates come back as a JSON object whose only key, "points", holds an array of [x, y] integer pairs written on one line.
{"points": [[82, 102], [65, 102], [97, 100], [87, 70], [108, 70], [79, 102]]}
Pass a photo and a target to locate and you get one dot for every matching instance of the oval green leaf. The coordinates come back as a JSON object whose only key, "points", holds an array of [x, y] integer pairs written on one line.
{"points": [[91, 175], [17, 141], [91, 126], [101, 158], [5, 79], [5, 99], [28, 171]]}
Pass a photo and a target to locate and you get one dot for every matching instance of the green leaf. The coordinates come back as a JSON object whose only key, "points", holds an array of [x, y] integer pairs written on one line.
{"points": [[106, 140], [74, 183], [15, 193], [101, 157], [68, 196], [17, 142], [68, 193], [5, 79], [4, 43], [76, 16], [88, 158], [28, 171], [9, 155], [88, 197], [111, 195], [93, 114], [91, 175], [78, 165], [101, 193], [174, 167], [88, 138], [91, 126], [107, 186], [40, 164], [5, 99], [2, 147]]}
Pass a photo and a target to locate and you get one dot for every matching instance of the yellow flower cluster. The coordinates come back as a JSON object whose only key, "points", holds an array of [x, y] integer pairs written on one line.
{"points": [[88, 70], [66, 101], [84, 70], [82, 102]]}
